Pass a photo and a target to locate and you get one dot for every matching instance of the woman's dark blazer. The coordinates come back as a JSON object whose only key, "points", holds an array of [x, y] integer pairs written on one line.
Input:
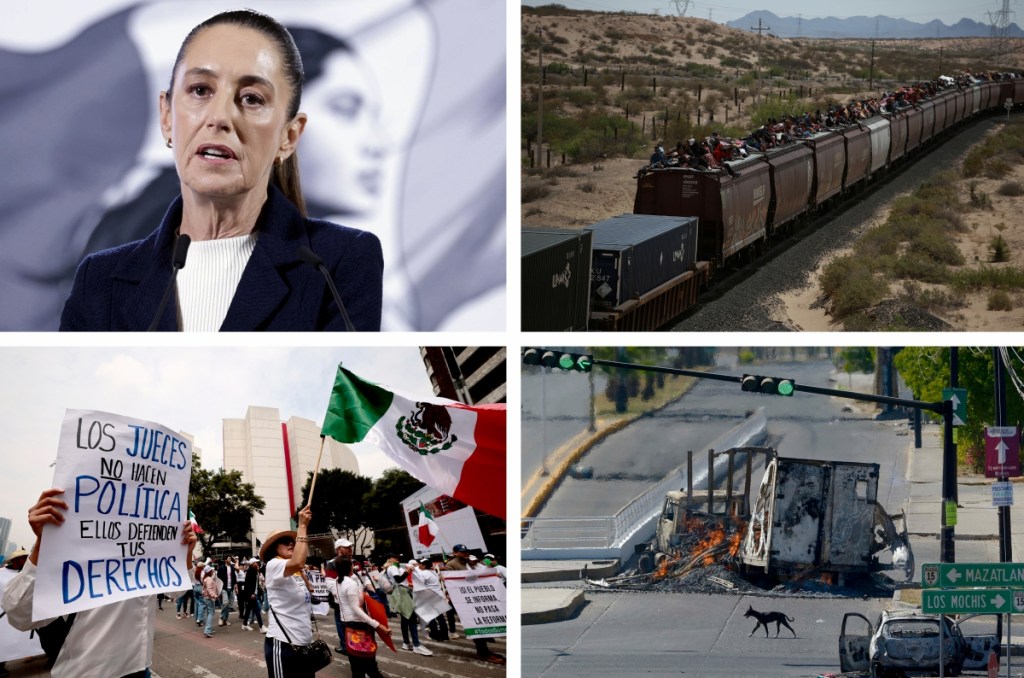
{"points": [[120, 289]]}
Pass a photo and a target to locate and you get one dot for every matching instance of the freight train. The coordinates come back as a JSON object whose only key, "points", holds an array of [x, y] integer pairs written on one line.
{"points": [[740, 210], [746, 205]]}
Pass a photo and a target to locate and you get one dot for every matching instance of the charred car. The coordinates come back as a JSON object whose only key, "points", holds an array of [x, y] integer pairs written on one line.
{"points": [[908, 642]]}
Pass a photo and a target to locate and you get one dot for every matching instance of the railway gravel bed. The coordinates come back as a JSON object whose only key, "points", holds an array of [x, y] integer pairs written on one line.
{"points": [[745, 300]]}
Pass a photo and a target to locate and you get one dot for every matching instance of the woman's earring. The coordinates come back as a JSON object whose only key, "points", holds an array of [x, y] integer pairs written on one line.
{"points": [[169, 143]]}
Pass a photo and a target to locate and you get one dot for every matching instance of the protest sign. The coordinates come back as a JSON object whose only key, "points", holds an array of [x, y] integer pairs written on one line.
{"points": [[429, 604], [15, 644], [321, 591], [479, 598], [125, 482]]}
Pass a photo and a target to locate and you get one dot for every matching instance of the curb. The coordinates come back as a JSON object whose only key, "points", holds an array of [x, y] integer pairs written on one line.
{"points": [[555, 614], [603, 569]]}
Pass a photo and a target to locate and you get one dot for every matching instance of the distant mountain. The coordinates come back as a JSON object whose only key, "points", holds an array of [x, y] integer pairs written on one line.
{"points": [[881, 27]]}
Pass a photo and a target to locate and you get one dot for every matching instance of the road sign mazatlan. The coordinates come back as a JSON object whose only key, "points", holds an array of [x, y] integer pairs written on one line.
{"points": [[959, 398], [972, 601], [1002, 452], [967, 575]]}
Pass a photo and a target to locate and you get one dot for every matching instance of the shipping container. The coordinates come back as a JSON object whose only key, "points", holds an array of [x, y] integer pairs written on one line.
{"points": [[731, 204], [792, 174], [829, 163], [940, 114], [635, 253], [556, 280]]}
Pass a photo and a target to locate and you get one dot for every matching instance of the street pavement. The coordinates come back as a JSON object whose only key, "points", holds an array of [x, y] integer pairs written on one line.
{"points": [[180, 650], [976, 540]]}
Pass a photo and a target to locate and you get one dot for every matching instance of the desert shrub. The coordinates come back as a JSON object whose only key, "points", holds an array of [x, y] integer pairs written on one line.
{"points": [[930, 299], [997, 168], [582, 97], [979, 199], [916, 266], [936, 245], [534, 191], [851, 286], [999, 300], [1011, 189], [532, 212], [587, 187], [989, 277], [1000, 249], [605, 48], [551, 180]]}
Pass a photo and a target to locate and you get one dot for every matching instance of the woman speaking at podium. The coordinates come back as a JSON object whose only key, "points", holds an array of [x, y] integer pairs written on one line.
{"points": [[254, 261]]}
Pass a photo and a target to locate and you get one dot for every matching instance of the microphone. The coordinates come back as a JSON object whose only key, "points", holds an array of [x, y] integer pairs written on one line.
{"points": [[311, 258], [177, 263]]}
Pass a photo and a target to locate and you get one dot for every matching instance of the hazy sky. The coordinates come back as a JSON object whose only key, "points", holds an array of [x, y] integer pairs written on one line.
{"points": [[185, 389], [947, 11]]}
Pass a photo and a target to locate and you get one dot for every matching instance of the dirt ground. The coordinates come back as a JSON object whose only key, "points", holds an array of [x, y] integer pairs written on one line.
{"points": [[803, 309]]}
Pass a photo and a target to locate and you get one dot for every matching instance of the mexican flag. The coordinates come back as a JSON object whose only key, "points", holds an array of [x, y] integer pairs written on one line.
{"points": [[428, 528], [458, 449], [195, 526]]}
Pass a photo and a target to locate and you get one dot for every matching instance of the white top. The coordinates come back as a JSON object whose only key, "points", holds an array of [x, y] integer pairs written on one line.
{"points": [[113, 640], [427, 579], [289, 599], [395, 572], [349, 594], [207, 283]]}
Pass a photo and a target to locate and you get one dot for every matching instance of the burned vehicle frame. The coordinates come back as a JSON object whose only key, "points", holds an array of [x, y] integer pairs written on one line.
{"points": [[807, 518]]}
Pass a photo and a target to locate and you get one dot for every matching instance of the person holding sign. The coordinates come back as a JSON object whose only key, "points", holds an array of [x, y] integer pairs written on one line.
{"points": [[462, 560], [111, 640], [285, 552]]}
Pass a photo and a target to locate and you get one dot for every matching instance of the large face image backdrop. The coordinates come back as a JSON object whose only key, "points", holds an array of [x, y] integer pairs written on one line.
{"points": [[405, 138]]}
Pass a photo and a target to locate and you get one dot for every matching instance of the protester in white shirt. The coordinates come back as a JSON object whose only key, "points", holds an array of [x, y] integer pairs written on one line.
{"points": [[284, 552], [425, 578], [348, 591], [401, 602], [112, 640]]}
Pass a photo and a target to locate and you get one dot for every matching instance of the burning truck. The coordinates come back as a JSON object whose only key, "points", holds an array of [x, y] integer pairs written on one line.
{"points": [[807, 518]]}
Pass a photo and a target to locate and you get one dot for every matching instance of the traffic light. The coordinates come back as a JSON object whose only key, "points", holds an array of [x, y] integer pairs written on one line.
{"points": [[570, 362], [771, 385]]}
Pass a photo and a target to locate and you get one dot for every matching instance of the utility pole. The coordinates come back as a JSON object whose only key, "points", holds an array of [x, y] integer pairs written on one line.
{"points": [[1005, 548], [947, 547], [540, 98], [760, 30], [871, 76]]}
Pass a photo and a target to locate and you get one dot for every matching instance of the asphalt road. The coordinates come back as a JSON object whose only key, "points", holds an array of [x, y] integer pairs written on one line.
{"points": [[181, 651], [629, 634], [804, 425]]}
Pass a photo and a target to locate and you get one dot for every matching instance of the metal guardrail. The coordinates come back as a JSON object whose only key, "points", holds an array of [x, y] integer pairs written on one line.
{"points": [[596, 532]]}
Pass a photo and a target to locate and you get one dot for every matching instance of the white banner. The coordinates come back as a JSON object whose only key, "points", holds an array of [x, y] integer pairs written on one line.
{"points": [[456, 523], [15, 644], [479, 598], [125, 482], [429, 604]]}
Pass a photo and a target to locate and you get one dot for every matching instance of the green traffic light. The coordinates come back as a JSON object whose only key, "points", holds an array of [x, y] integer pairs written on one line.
{"points": [[584, 363], [786, 387], [566, 361]]}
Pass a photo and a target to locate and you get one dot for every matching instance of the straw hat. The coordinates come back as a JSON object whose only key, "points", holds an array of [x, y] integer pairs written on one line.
{"points": [[269, 543]]}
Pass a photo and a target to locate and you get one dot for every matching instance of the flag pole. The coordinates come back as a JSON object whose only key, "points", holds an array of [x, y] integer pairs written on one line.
{"points": [[312, 486]]}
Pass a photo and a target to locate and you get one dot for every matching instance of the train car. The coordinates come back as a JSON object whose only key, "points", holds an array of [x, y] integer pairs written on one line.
{"points": [[897, 135], [881, 140], [732, 204], [858, 155], [792, 174], [915, 126], [829, 154], [556, 279], [927, 120], [975, 99], [939, 102]]}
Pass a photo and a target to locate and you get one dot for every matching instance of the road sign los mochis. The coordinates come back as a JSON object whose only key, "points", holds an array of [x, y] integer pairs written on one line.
{"points": [[1002, 452], [972, 601], [967, 575]]}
